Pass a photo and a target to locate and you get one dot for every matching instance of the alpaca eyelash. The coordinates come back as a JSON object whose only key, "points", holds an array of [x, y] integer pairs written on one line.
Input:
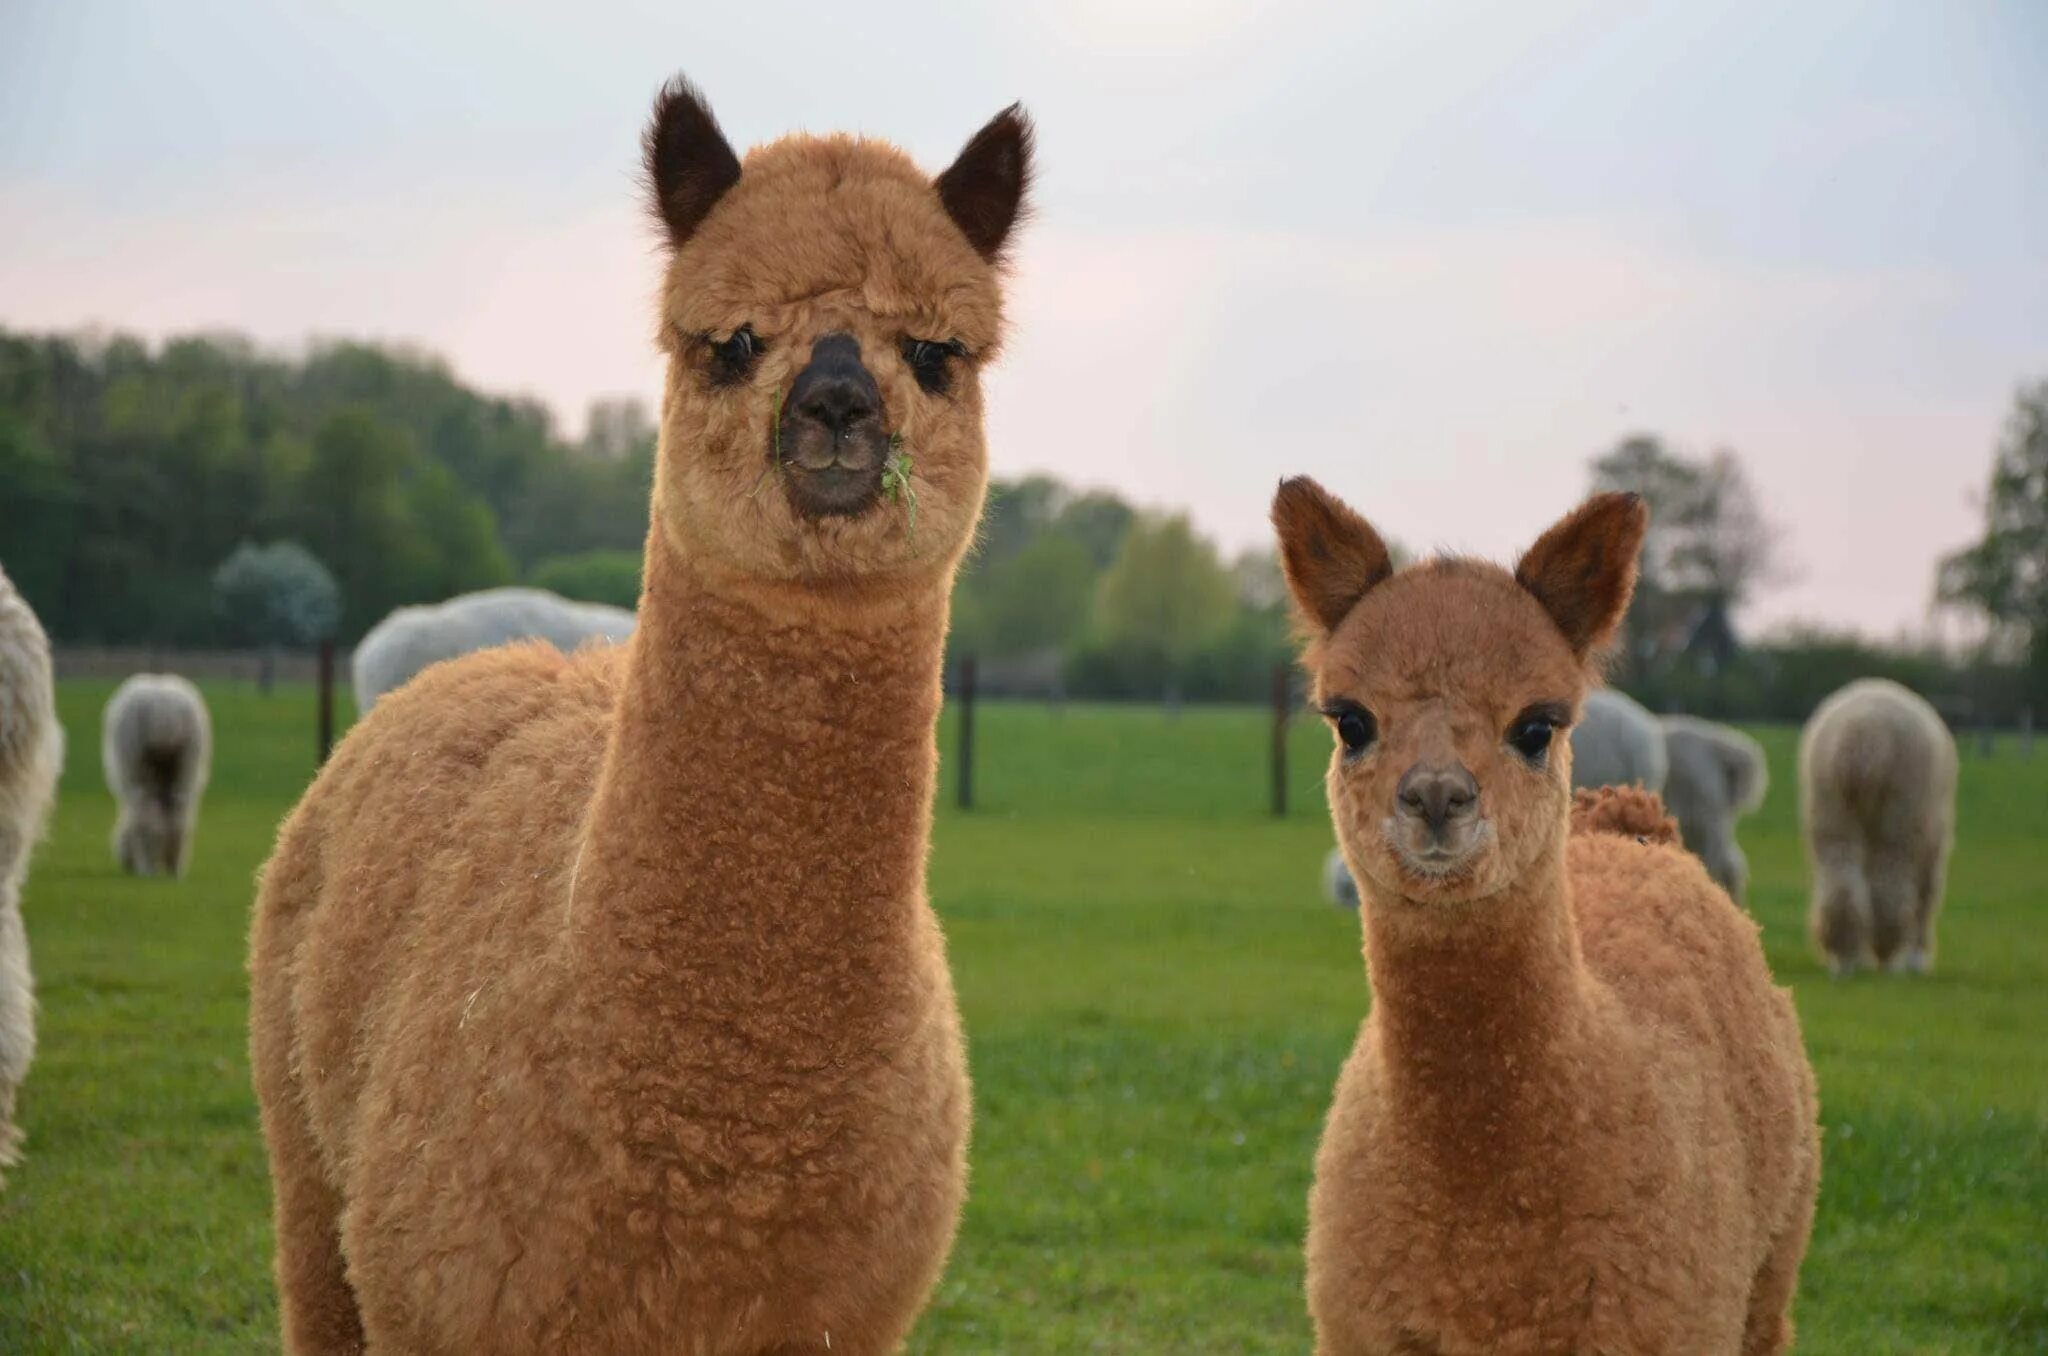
{"points": [[929, 361], [733, 358]]}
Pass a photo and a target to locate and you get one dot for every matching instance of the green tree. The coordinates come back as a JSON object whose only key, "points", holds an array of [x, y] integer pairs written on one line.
{"points": [[1709, 541], [1167, 597], [2004, 575], [1037, 599], [277, 594]]}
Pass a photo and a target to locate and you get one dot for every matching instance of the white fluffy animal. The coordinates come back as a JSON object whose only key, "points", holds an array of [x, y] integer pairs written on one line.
{"points": [[1617, 742], [1877, 799], [156, 745], [1715, 776], [412, 638], [31, 752]]}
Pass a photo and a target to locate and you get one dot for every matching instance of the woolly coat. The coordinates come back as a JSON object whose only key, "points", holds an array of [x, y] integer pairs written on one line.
{"points": [[1617, 742], [1717, 775], [1877, 799], [156, 748], [31, 753]]}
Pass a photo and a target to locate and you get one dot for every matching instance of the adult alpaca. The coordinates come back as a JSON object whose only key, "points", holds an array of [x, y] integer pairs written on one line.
{"points": [[31, 752], [156, 747], [1578, 1117], [1718, 774], [597, 1005], [1877, 799]]}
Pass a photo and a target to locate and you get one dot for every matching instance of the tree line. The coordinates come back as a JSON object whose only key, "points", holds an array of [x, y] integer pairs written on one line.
{"points": [[210, 493]]}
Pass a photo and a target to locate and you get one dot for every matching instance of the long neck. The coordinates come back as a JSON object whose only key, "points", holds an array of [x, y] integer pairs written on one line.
{"points": [[765, 798], [1478, 1008]]}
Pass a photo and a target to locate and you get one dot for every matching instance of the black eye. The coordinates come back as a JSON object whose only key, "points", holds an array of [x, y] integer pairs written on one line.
{"points": [[927, 360], [1355, 726], [1531, 734], [733, 359]]}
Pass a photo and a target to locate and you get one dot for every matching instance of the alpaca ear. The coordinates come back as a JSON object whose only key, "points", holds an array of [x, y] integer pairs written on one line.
{"points": [[983, 190], [1584, 568], [689, 163], [1330, 555]]}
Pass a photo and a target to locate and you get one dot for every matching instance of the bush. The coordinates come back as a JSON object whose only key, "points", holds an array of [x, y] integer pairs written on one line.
{"points": [[592, 577]]}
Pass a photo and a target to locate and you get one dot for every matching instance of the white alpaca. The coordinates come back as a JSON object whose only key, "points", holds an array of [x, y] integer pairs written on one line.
{"points": [[1617, 742], [412, 638], [1717, 775], [157, 747], [1877, 797], [31, 752]]}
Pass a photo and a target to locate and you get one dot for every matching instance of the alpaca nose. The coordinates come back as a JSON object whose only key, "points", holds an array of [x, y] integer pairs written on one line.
{"points": [[1437, 794], [835, 388]]}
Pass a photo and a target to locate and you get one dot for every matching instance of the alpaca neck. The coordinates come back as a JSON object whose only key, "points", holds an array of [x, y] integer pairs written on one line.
{"points": [[1479, 1010], [764, 804]]}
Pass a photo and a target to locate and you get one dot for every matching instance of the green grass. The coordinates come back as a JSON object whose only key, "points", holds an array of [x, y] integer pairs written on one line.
{"points": [[1158, 1001]]}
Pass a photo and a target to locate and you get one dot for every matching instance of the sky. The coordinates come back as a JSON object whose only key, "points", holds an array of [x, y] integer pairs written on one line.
{"points": [[1437, 255]]}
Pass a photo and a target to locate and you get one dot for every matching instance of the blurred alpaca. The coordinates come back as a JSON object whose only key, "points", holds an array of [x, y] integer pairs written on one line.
{"points": [[31, 752], [156, 746], [1877, 797]]}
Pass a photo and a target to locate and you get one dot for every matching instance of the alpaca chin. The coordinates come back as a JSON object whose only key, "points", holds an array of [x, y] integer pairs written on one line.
{"points": [[1432, 871]]}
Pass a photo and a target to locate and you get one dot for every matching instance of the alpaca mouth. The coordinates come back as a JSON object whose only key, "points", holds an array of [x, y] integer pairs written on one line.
{"points": [[1437, 858]]}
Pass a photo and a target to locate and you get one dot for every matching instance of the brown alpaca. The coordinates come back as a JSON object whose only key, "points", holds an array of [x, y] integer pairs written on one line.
{"points": [[1578, 1117], [597, 1004]]}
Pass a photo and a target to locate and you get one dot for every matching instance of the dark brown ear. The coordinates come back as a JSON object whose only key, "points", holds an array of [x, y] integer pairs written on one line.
{"points": [[1584, 568], [984, 188], [1330, 555], [689, 163]]}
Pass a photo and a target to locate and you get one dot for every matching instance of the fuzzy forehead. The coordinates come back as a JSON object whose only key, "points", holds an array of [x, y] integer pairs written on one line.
{"points": [[1453, 628], [833, 217]]}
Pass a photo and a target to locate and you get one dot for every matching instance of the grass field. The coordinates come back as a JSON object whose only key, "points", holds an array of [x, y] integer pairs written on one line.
{"points": [[1157, 1000]]}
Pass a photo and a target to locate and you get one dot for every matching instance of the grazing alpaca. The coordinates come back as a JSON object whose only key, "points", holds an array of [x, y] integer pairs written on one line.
{"points": [[597, 1005], [1578, 1117], [31, 752], [411, 638], [1617, 742], [1717, 776], [156, 745], [1877, 798]]}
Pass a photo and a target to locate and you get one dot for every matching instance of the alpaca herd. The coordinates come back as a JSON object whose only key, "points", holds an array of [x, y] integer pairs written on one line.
{"points": [[597, 1004]]}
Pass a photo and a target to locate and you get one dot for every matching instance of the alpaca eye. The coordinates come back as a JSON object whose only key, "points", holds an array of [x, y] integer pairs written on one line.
{"points": [[1356, 729], [1530, 736], [927, 360], [733, 359]]}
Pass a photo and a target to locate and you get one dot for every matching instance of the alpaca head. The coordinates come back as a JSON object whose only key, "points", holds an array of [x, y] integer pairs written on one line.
{"points": [[1450, 687], [826, 313]]}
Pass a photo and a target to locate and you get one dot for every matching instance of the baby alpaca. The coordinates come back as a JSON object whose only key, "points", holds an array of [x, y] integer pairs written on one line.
{"points": [[156, 744], [1717, 776], [1617, 742], [1877, 799], [597, 1007], [1578, 1117], [411, 638], [31, 752]]}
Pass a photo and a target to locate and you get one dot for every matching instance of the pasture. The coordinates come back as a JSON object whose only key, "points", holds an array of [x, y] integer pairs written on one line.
{"points": [[1157, 999]]}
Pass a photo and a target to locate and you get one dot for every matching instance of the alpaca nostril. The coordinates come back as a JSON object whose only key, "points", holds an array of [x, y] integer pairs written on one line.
{"points": [[1437, 795], [837, 403]]}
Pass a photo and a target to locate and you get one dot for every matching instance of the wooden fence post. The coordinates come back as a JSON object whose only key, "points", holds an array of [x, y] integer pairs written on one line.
{"points": [[326, 700], [967, 676]]}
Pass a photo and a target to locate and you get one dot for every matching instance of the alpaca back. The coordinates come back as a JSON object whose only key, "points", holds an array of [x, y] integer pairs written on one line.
{"points": [[157, 742], [413, 638], [1617, 742], [1877, 760]]}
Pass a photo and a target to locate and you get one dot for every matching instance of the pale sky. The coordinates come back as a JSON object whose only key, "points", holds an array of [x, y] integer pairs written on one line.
{"points": [[1435, 255]]}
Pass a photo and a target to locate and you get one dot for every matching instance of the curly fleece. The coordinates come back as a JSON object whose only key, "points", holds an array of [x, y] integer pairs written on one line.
{"points": [[1578, 1117], [597, 1003]]}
